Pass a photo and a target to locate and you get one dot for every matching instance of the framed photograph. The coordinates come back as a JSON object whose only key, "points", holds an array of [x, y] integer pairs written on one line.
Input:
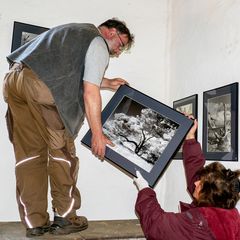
{"points": [[220, 123], [189, 106], [146, 133], [23, 33]]}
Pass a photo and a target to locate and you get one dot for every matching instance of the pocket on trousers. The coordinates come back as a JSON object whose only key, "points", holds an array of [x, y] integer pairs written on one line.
{"points": [[56, 138], [9, 121]]}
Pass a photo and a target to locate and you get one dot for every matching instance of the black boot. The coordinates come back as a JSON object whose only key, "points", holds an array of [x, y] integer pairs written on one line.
{"points": [[62, 225], [37, 231]]}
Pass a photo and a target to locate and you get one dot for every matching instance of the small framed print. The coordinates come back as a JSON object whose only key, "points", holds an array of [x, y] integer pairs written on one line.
{"points": [[189, 106], [220, 123], [23, 33], [146, 133]]}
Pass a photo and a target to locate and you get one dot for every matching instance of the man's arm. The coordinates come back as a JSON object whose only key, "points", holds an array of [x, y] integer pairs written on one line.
{"points": [[93, 106]]}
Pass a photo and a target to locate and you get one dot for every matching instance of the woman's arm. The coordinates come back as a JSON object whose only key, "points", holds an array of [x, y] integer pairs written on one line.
{"points": [[193, 158]]}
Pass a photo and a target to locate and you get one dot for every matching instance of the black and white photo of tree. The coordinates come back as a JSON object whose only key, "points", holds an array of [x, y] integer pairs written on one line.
{"points": [[219, 124], [139, 133]]}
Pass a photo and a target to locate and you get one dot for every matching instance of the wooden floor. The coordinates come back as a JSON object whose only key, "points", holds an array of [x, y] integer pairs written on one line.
{"points": [[114, 229]]}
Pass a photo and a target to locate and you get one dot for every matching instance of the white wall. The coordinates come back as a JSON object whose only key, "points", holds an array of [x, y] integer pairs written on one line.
{"points": [[205, 54], [107, 193], [182, 48]]}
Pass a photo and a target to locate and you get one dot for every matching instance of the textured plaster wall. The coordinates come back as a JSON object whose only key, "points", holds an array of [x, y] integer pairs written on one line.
{"points": [[107, 193], [205, 54], [182, 48]]}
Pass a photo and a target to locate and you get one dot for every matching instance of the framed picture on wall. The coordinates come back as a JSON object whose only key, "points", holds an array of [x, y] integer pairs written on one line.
{"points": [[189, 106], [23, 33], [220, 123], [145, 133]]}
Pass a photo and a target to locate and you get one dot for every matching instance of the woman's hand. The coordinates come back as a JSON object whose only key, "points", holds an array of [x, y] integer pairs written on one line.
{"points": [[192, 131]]}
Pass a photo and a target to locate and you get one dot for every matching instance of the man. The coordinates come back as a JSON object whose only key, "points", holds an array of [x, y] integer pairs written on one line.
{"points": [[53, 81]]}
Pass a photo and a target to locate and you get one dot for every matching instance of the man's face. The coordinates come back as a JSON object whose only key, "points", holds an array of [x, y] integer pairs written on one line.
{"points": [[117, 43]]}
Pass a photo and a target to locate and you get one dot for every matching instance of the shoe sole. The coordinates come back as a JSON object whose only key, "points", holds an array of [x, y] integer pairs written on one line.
{"points": [[36, 234], [66, 230]]}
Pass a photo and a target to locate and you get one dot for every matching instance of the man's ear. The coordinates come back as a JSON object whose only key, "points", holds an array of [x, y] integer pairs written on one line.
{"points": [[112, 32]]}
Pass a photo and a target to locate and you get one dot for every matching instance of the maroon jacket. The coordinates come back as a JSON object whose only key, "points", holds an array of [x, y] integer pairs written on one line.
{"points": [[205, 223]]}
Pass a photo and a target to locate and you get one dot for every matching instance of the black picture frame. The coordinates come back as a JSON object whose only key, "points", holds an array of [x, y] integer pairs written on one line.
{"points": [[132, 120], [220, 123], [189, 106], [23, 33]]}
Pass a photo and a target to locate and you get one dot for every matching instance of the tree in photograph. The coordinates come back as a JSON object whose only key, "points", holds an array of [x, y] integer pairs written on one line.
{"points": [[146, 134], [140, 146]]}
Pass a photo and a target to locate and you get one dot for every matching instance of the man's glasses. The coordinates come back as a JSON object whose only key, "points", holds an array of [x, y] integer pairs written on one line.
{"points": [[121, 42]]}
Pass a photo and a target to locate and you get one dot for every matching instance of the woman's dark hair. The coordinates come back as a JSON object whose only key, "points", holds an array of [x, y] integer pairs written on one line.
{"points": [[220, 186], [121, 27]]}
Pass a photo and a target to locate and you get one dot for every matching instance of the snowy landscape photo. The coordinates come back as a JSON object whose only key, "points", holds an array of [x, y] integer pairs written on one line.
{"points": [[139, 133]]}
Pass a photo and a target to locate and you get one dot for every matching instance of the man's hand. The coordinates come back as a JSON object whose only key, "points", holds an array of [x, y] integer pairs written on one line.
{"points": [[140, 182], [192, 131], [98, 145], [113, 83]]}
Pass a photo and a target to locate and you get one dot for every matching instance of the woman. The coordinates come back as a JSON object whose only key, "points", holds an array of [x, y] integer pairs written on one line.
{"points": [[212, 214]]}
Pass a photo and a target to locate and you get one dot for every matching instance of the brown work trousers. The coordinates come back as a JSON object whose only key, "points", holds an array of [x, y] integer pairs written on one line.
{"points": [[43, 150]]}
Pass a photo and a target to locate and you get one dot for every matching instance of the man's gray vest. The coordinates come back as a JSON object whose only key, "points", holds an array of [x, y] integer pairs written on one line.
{"points": [[57, 57]]}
